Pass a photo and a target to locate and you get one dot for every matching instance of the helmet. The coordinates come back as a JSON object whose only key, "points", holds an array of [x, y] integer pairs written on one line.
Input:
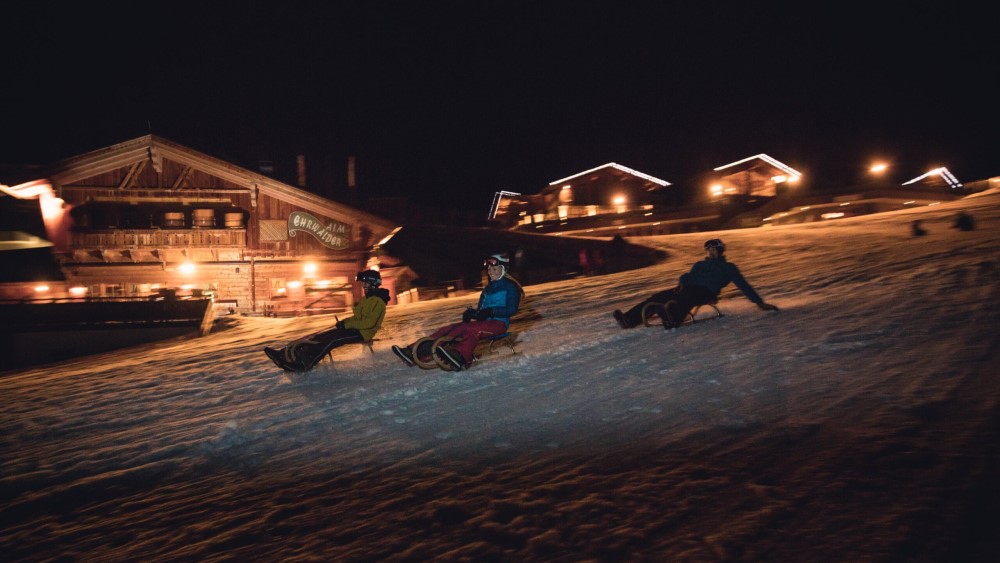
{"points": [[715, 243], [370, 276], [495, 259]]}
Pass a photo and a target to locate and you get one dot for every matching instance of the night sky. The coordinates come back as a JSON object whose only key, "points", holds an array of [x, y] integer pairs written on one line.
{"points": [[449, 102]]}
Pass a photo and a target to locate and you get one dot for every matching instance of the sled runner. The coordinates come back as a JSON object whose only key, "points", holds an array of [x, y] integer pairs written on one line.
{"points": [[650, 313], [425, 350]]}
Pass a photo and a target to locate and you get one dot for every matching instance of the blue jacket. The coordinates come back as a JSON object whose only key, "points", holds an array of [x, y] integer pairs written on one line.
{"points": [[715, 274], [503, 296]]}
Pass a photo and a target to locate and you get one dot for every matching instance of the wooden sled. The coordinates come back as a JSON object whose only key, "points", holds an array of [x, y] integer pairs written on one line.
{"points": [[424, 349], [650, 312]]}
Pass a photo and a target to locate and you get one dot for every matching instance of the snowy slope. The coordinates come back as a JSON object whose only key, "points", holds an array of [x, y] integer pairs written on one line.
{"points": [[859, 423]]}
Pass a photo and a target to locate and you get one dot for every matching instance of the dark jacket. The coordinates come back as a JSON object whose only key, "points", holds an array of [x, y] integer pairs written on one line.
{"points": [[715, 274]]}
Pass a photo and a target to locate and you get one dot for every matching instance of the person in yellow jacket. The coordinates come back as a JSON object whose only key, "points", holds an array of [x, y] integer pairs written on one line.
{"points": [[303, 354]]}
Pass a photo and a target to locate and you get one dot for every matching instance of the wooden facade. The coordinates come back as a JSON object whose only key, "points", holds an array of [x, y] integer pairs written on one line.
{"points": [[149, 215]]}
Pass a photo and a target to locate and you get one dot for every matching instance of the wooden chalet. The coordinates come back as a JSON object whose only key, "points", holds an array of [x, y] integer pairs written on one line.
{"points": [[149, 216], [607, 189], [754, 176]]}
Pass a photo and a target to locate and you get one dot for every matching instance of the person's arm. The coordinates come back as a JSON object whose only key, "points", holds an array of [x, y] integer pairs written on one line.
{"points": [[369, 315], [748, 290]]}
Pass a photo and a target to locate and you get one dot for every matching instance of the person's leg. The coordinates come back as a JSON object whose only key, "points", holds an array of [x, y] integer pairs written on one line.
{"points": [[308, 355], [634, 315], [684, 301], [477, 331]]}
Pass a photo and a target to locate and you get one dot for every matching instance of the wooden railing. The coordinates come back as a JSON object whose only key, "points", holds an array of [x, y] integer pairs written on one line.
{"points": [[158, 238]]}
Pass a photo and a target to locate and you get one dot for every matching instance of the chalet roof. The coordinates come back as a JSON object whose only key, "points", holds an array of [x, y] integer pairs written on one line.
{"points": [[751, 162], [155, 149], [614, 166], [942, 172]]}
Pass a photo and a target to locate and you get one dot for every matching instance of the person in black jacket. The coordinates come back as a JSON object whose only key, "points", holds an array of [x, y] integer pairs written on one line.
{"points": [[698, 287]]}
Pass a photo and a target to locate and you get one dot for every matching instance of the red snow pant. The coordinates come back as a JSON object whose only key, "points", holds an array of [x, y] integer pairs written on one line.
{"points": [[470, 333]]}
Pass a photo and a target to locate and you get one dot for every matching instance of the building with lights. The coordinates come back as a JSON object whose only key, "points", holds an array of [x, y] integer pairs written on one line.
{"points": [[150, 217], [755, 191]]}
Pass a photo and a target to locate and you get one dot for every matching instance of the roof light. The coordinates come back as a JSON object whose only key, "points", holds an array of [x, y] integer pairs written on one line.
{"points": [[617, 167]]}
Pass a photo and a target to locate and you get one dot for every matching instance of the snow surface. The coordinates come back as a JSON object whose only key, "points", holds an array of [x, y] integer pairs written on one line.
{"points": [[859, 423]]}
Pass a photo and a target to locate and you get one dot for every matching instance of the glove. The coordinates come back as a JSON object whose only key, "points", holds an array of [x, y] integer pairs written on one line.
{"points": [[484, 314], [468, 315], [340, 325], [767, 307]]}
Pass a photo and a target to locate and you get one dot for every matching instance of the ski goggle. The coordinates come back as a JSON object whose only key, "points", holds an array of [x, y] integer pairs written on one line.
{"points": [[714, 243], [492, 262]]}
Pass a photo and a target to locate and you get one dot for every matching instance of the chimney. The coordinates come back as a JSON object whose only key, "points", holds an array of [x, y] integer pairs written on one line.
{"points": [[300, 164]]}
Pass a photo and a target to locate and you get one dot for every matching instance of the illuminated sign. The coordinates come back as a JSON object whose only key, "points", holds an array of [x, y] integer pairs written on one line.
{"points": [[335, 235]]}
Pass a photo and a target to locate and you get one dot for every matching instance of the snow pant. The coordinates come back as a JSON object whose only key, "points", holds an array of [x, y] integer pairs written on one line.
{"points": [[308, 355], [470, 334], [684, 299]]}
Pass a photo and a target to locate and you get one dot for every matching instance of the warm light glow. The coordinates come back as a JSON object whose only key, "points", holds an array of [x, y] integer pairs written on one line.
{"points": [[295, 284], [187, 268], [878, 168], [323, 284], [187, 286], [281, 290], [618, 200], [716, 190], [779, 179], [832, 215], [794, 179], [52, 207], [28, 190], [78, 291], [911, 202], [309, 267], [41, 288], [386, 238]]}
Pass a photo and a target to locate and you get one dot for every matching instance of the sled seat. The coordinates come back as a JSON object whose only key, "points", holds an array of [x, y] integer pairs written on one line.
{"points": [[649, 312], [370, 344], [508, 339]]}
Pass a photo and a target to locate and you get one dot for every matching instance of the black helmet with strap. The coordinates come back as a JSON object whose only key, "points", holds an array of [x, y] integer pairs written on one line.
{"points": [[715, 243], [371, 276]]}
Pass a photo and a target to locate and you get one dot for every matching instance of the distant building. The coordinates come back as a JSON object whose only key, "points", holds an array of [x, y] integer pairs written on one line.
{"points": [[612, 200], [754, 176], [148, 216]]}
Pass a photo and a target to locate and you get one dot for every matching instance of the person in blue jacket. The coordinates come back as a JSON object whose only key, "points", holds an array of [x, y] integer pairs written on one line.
{"points": [[698, 287], [498, 302]]}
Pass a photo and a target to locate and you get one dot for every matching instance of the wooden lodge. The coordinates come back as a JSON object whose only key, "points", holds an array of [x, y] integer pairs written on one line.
{"points": [[150, 217]]}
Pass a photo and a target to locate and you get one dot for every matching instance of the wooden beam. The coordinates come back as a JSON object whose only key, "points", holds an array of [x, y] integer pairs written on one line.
{"points": [[181, 178], [128, 177]]}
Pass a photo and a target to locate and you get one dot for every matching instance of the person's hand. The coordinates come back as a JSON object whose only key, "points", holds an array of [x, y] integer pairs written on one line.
{"points": [[340, 325], [468, 315], [767, 307], [484, 314]]}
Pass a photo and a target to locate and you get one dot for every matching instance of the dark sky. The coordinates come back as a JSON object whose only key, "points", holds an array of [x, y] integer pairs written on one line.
{"points": [[452, 101]]}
